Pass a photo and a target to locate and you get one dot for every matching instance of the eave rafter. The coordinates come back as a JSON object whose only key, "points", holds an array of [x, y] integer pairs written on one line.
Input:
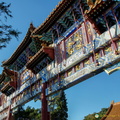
{"points": [[8, 81], [26, 41], [44, 51], [38, 59], [54, 16], [98, 8]]}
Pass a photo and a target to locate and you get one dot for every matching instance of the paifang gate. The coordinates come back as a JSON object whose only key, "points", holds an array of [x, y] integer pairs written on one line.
{"points": [[79, 39]]}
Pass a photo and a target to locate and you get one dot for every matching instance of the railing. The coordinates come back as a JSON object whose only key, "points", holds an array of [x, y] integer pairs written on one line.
{"points": [[27, 97], [98, 42], [24, 86], [13, 105], [21, 101], [4, 115], [66, 34], [79, 55], [92, 68], [1, 108]]}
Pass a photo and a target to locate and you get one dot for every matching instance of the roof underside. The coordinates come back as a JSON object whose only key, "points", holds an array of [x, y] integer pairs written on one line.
{"points": [[57, 12], [44, 33], [41, 59], [20, 48], [55, 15], [7, 84]]}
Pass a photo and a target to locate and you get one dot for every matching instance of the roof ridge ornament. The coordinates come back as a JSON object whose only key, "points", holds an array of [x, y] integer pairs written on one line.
{"points": [[36, 36], [31, 27], [112, 102], [90, 3]]}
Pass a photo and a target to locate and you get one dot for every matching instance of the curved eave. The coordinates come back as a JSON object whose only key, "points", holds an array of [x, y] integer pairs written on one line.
{"points": [[99, 8], [7, 89], [9, 72], [2, 77], [55, 15], [5, 86], [20, 48], [44, 51]]}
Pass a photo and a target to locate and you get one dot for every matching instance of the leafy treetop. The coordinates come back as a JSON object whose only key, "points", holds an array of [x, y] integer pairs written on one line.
{"points": [[6, 31]]}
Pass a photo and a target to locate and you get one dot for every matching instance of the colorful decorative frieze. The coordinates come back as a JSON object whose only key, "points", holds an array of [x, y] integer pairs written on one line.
{"points": [[75, 44]]}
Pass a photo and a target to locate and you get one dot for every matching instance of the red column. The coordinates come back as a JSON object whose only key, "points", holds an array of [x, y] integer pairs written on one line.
{"points": [[45, 113], [10, 117]]}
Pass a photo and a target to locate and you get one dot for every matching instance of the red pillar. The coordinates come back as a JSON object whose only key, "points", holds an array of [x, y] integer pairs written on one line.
{"points": [[45, 113], [10, 117]]}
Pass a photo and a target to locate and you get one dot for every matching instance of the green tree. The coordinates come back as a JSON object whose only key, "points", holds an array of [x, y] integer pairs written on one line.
{"points": [[6, 31], [100, 115], [60, 111], [32, 113], [28, 113], [20, 113]]}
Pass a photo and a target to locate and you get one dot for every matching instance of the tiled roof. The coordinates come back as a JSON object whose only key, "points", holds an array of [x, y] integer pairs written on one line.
{"points": [[55, 14], [21, 47], [113, 112], [40, 55], [50, 20]]}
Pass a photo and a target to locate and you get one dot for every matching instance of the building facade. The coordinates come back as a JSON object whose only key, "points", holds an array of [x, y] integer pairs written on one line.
{"points": [[78, 40]]}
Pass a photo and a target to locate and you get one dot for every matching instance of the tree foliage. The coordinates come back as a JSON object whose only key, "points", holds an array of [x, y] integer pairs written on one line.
{"points": [[32, 113], [28, 114], [6, 31], [100, 115], [60, 112]]}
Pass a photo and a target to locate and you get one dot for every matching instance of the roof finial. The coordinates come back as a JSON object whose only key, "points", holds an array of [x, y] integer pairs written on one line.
{"points": [[112, 102], [31, 27]]}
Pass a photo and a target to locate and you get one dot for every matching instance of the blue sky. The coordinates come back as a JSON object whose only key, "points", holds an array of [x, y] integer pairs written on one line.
{"points": [[84, 98]]}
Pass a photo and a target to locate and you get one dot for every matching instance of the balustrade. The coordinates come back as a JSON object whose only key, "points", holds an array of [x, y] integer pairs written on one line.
{"points": [[69, 62], [3, 115], [91, 68], [79, 55]]}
